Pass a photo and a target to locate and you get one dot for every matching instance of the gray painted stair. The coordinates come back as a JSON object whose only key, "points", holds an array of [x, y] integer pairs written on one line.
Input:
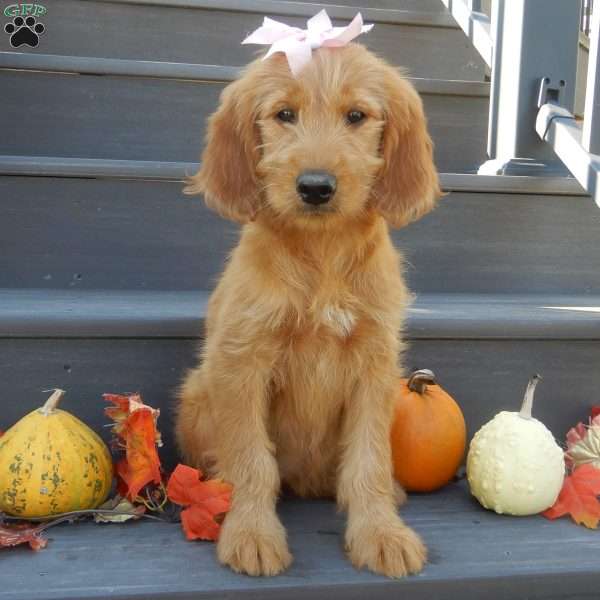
{"points": [[140, 110], [210, 32], [473, 554], [105, 270], [482, 346], [135, 234]]}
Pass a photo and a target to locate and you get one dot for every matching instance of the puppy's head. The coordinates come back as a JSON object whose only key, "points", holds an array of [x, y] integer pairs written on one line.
{"points": [[346, 137]]}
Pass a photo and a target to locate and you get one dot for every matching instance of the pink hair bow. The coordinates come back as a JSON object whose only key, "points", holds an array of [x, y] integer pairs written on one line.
{"points": [[298, 44]]}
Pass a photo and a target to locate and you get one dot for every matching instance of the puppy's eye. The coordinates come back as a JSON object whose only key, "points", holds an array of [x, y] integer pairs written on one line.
{"points": [[355, 116], [287, 115]]}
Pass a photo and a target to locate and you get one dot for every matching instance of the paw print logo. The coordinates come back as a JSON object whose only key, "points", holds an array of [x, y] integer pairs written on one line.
{"points": [[24, 31]]}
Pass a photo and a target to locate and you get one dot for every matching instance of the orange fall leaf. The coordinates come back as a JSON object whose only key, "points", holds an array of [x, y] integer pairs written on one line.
{"points": [[579, 497], [135, 424], [204, 502], [22, 533], [141, 464]]}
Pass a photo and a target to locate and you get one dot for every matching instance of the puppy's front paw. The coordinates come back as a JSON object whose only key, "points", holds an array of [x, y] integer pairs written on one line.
{"points": [[255, 551], [389, 548]]}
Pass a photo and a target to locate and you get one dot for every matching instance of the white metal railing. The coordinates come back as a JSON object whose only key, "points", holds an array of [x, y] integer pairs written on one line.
{"points": [[531, 48], [585, 22], [475, 24], [591, 121]]}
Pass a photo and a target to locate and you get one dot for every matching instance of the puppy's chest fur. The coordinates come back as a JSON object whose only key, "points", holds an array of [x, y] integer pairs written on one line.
{"points": [[334, 313], [312, 383], [338, 319]]}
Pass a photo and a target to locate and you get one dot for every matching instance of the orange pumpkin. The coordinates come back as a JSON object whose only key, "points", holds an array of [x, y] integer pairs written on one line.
{"points": [[428, 434]]}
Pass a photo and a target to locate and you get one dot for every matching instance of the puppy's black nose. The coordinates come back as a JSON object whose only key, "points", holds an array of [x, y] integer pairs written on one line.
{"points": [[315, 187]]}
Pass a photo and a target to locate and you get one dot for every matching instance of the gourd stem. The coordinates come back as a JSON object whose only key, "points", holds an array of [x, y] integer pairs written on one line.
{"points": [[52, 402], [525, 411], [419, 380]]}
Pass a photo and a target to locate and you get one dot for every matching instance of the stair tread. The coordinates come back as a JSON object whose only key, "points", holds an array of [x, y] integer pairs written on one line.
{"points": [[42, 313], [82, 231], [123, 117], [91, 65], [71, 166], [378, 14], [211, 31], [471, 552]]}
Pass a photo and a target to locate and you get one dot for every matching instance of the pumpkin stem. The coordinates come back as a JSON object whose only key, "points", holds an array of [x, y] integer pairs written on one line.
{"points": [[52, 402], [525, 412], [419, 380]]}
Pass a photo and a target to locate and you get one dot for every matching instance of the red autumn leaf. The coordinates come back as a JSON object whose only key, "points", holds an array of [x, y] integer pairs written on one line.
{"points": [[119, 412], [579, 497], [180, 482], [124, 406], [185, 488], [141, 464], [204, 502], [198, 524], [214, 494], [135, 427], [22, 533]]}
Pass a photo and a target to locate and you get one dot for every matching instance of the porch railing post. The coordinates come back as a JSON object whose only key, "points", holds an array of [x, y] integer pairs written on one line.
{"points": [[496, 25], [534, 39], [590, 138]]}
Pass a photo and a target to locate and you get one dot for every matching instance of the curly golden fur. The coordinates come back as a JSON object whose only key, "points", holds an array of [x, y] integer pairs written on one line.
{"points": [[300, 362]]}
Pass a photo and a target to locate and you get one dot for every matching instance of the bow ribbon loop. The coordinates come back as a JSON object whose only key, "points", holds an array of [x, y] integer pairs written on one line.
{"points": [[298, 44]]}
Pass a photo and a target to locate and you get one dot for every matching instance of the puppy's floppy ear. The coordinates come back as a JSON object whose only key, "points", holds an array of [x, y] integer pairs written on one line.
{"points": [[227, 175], [407, 186]]}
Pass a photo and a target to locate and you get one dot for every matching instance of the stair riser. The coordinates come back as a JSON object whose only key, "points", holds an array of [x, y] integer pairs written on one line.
{"points": [[67, 233], [213, 37], [158, 119], [484, 376], [434, 6]]}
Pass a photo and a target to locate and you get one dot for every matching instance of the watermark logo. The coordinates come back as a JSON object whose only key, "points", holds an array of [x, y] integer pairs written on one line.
{"points": [[25, 28]]}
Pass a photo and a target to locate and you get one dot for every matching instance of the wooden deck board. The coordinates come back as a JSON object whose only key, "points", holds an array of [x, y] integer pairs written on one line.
{"points": [[473, 553]]}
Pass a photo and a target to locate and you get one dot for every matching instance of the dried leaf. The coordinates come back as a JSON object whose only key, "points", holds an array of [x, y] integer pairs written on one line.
{"points": [[141, 464], [182, 478], [205, 502], [583, 444], [119, 505], [579, 497], [22, 533], [118, 413], [124, 406], [135, 426], [198, 523]]}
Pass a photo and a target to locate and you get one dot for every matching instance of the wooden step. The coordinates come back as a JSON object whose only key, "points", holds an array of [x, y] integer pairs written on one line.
{"points": [[482, 347], [434, 6], [428, 43], [473, 553], [123, 314], [156, 111], [103, 233]]}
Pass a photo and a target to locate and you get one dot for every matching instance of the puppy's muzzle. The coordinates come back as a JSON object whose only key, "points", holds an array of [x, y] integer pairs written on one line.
{"points": [[316, 187]]}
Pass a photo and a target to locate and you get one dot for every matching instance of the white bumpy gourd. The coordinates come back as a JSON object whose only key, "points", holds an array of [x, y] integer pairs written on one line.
{"points": [[514, 465]]}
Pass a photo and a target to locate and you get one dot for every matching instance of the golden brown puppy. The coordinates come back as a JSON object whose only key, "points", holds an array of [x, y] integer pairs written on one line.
{"points": [[300, 363]]}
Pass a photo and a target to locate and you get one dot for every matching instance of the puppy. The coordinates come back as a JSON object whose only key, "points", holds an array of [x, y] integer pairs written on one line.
{"points": [[300, 366]]}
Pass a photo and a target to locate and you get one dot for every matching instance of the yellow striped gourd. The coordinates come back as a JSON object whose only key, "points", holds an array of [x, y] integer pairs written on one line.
{"points": [[51, 463]]}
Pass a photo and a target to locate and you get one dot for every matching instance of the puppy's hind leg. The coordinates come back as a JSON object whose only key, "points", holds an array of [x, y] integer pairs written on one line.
{"points": [[193, 425]]}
